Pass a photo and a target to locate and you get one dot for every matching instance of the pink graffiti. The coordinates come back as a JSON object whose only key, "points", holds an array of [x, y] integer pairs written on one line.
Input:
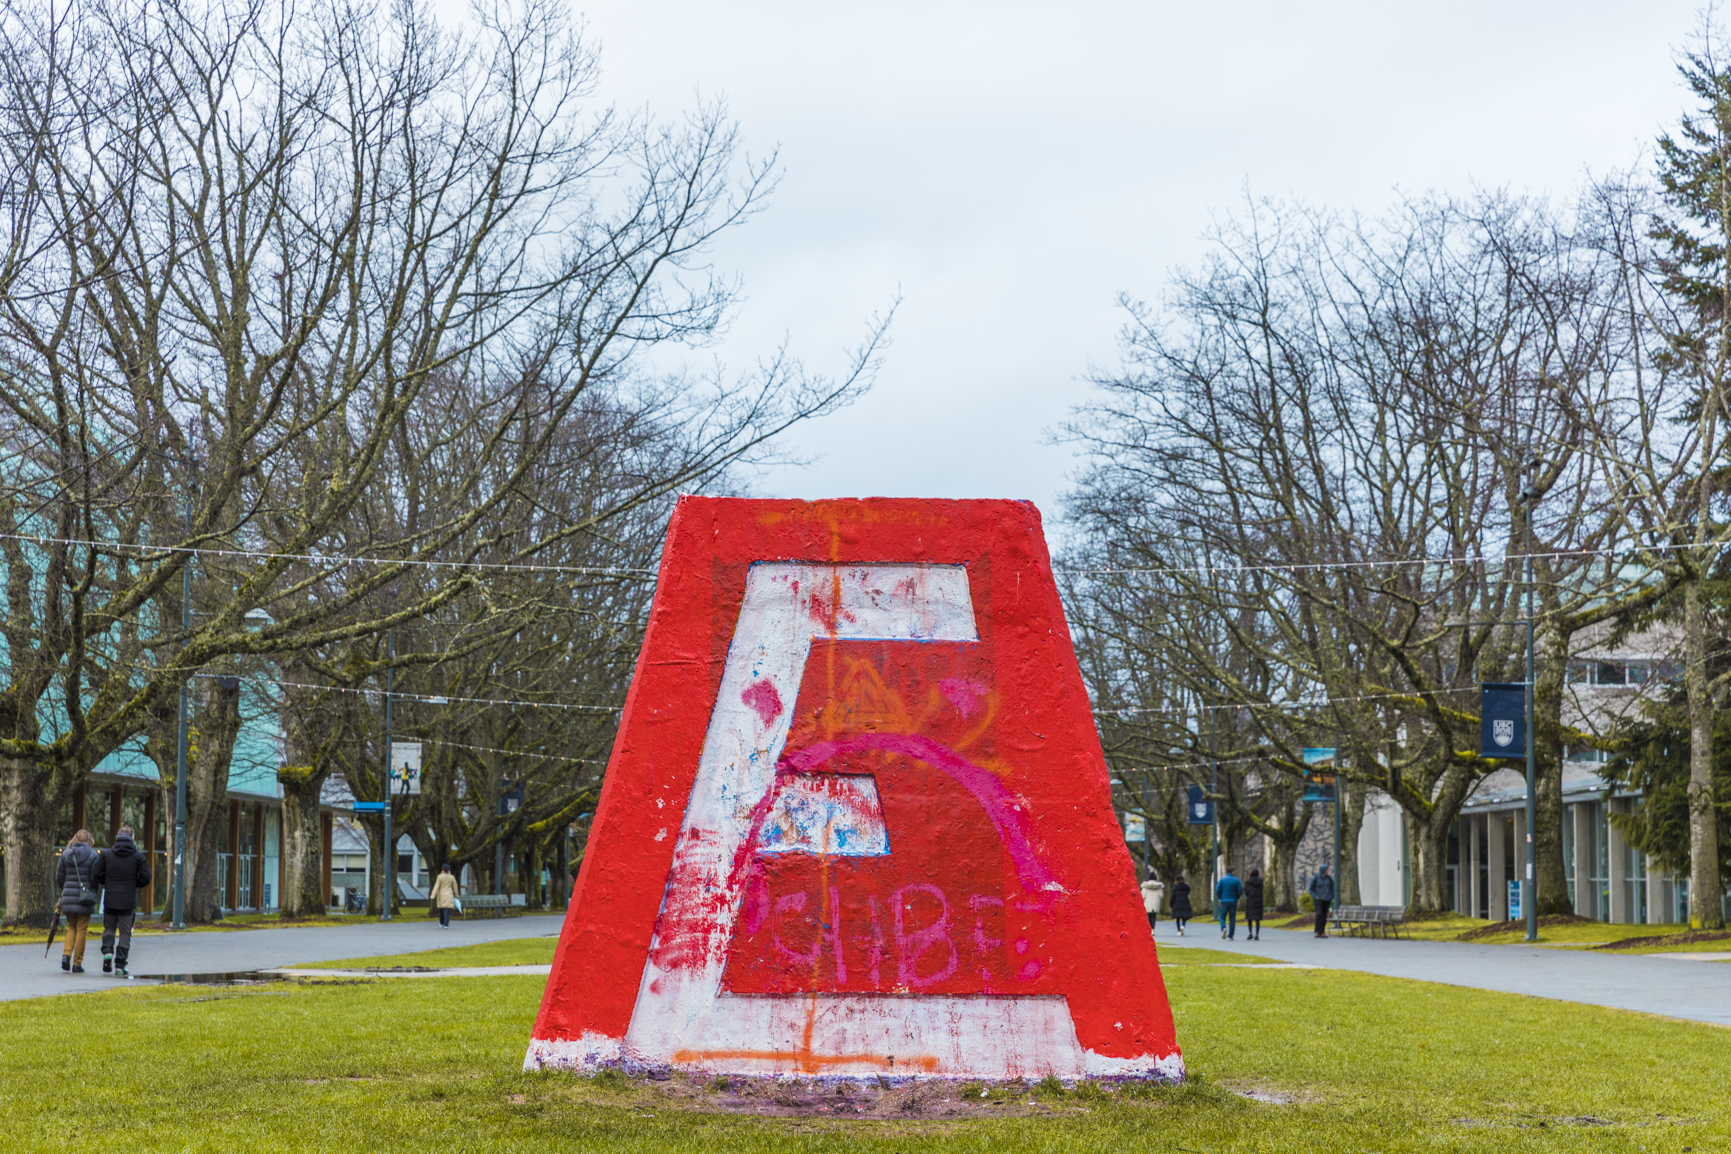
{"points": [[924, 933], [965, 694], [912, 945], [763, 699], [998, 802]]}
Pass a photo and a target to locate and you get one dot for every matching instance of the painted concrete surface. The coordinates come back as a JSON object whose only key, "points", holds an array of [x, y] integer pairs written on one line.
{"points": [[25, 973], [857, 819], [1650, 983]]}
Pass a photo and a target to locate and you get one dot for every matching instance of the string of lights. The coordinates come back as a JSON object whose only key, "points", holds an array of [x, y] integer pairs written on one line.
{"points": [[336, 559], [1270, 705], [1309, 566], [332, 559], [424, 698]]}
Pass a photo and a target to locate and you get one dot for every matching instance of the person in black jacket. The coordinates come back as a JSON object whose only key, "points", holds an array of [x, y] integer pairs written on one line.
{"points": [[120, 871], [1253, 905], [1181, 911], [75, 874]]}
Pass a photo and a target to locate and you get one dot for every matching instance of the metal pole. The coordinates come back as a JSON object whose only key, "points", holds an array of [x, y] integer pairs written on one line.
{"points": [[179, 919], [1337, 788], [1214, 859], [1529, 907], [390, 854]]}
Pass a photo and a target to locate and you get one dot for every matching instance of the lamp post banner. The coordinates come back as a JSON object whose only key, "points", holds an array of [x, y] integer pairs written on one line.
{"points": [[1200, 810], [1503, 719]]}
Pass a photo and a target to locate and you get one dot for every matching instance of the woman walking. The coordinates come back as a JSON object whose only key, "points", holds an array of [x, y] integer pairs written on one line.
{"points": [[1253, 905], [444, 895], [1181, 911], [74, 877], [1152, 892]]}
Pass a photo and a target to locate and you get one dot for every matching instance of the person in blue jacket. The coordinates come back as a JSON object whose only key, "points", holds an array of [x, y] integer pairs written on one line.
{"points": [[1226, 894], [1322, 892]]}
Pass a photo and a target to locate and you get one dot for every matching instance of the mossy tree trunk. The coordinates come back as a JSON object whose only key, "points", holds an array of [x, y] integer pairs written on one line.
{"points": [[303, 893], [29, 800]]}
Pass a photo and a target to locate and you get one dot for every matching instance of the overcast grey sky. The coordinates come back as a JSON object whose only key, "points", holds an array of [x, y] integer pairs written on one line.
{"points": [[1010, 169]]}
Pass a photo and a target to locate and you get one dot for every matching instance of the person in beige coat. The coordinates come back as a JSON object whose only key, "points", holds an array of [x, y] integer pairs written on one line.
{"points": [[1152, 892], [445, 895]]}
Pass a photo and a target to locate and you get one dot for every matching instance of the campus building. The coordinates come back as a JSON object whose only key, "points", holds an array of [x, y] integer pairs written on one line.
{"points": [[125, 789], [1609, 880]]}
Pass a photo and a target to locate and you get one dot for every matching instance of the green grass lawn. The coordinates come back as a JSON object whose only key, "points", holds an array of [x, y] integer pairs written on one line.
{"points": [[511, 952], [1196, 956], [1560, 933], [1356, 1063]]}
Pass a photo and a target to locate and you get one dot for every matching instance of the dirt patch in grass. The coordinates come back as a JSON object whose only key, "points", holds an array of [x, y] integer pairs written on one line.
{"points": [[1687, 938], [870, 1099], [1492, 929]]}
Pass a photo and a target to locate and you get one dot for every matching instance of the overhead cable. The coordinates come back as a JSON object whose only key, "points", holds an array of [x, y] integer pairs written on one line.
{"points": [[325, 558]]}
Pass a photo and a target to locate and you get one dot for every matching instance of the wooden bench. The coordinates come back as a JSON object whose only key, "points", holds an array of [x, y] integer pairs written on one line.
{"points": [[486, 905], [1369, 921]]}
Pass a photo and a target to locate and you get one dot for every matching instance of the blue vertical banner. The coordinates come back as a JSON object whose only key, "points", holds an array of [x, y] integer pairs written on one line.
{"points": [[1503, 719], [1319, 775], [1201, 809]]}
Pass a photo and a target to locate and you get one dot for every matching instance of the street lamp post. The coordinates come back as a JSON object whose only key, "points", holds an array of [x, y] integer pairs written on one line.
{"points": [[1529, 907], [179, 919], [390, 854]]}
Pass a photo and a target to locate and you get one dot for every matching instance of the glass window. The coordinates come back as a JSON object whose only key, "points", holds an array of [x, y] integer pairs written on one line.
{"points": [[1634, 883], [132, 814], [1609, 673], [1637, 671], [63, 827], [96, 815], [272, 856], [1576, 673], [1569, 852], [1601, 884]]}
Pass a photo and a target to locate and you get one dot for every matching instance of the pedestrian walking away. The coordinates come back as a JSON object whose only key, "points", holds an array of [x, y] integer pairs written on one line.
{"points": [[74, 878], [444, 896], [1322, 893], [1152, 891], [1226, 894], [121, 872], [1253, 906], [1181, 911]]}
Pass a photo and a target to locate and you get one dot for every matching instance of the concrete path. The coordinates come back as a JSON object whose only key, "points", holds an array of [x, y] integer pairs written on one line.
{"points": [[25, 973], [1651, 983]]}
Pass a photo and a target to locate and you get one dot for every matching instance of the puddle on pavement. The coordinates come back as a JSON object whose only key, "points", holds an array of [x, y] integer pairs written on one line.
{"points": [[233, 978]]}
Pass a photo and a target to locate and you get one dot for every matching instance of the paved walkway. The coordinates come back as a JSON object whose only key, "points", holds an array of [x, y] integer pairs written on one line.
{"points": [[25, 973], [1651, 983]]}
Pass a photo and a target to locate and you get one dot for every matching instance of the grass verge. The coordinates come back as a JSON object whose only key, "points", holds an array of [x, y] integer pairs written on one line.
{"points": [[1196, 956], [510, 952], [1338, 1061]]}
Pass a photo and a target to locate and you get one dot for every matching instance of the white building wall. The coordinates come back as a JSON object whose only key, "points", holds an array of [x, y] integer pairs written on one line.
{"points": [[1379, 852]]}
